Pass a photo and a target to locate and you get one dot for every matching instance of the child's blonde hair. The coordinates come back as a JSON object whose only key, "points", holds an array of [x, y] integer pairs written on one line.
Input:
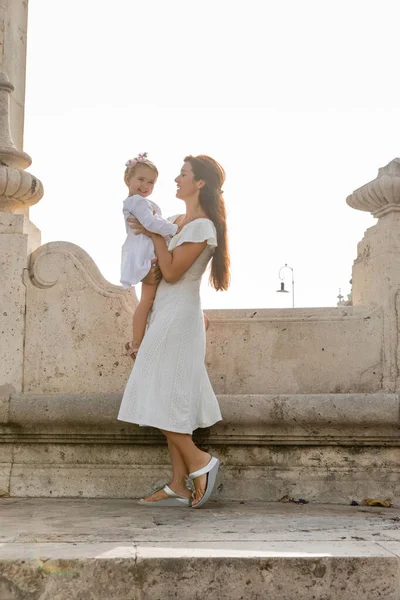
{"points": [[134, 163]]}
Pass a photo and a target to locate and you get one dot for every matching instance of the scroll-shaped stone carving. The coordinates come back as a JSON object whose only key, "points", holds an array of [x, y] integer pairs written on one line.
{"points": [[76, 324], [47, 264]]}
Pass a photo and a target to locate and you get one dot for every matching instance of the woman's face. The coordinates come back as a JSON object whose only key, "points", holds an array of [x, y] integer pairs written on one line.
{"points": [[187, 186]]}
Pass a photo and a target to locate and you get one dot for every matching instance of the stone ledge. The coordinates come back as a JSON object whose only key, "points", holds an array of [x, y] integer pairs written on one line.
{"points": [[202, 436], [336, 419], [291, 410]]}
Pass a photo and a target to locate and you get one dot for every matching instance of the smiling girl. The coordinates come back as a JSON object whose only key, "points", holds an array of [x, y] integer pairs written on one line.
{"points": [[138, 250]]}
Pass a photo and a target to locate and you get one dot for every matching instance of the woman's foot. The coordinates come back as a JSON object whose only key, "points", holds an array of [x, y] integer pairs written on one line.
{"points": [[162, 495], [200, 483]]}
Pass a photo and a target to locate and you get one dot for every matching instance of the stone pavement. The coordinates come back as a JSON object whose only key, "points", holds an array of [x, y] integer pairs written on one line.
{"points": [[64, 549]]}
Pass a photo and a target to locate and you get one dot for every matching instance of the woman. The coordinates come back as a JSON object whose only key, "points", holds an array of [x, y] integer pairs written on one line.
{"points": [[169, 387]]}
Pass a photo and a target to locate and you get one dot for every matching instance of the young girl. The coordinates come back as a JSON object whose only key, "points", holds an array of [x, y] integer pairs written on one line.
{"points": [[138, 250]]}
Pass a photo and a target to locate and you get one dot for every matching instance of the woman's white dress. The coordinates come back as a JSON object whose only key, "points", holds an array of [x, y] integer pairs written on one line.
{"points": [[169, 386]]}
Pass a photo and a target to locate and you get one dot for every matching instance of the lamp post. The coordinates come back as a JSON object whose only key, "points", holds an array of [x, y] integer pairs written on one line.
{"points": [[282, 290]]}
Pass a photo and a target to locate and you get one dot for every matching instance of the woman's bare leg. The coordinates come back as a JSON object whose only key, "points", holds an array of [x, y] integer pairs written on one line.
{"points": [[179, 475], [193, 458], [140, 316]]}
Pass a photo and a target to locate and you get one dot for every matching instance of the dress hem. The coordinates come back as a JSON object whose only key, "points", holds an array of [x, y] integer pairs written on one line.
{"points": [[189, 432]]}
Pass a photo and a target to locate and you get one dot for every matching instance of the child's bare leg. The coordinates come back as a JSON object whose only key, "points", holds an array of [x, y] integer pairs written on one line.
{"points": [[140, 316]]}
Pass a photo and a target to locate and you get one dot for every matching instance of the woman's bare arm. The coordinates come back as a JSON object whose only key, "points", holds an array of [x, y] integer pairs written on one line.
{"points": [[172, 265], [175, 264]]}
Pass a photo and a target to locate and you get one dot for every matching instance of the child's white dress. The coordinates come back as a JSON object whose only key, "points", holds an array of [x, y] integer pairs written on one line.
{"points": [[138, 250]]}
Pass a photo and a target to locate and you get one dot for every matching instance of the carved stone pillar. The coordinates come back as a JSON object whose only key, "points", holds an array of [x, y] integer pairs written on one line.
{"points": [[13, 38], [376, 270], [18, 238]]}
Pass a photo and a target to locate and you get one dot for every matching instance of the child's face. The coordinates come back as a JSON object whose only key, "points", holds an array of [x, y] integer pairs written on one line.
{"points": [[142, 181]]}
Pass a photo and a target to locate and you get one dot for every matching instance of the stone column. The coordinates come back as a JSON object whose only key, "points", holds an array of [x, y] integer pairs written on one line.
{"points": [[18, 238], [376, 270], [13, 36]]}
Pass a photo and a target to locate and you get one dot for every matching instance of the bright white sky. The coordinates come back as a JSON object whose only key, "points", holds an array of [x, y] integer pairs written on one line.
{"points": [[299, 101]]}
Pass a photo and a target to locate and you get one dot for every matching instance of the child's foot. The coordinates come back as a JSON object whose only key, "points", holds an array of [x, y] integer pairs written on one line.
{"points": [[131, 350]]}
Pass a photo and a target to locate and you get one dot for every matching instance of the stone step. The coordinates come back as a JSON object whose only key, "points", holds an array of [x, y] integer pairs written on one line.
{"points": [[252, 572], [327, 447], [114, 550]]}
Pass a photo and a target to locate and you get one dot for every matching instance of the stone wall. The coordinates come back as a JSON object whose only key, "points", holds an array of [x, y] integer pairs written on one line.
{"points": [[328, 448], [296, 351], [77, 324]]}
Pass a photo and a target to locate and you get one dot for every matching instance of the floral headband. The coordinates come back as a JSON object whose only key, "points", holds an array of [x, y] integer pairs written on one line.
{"points": [[141, 158]]}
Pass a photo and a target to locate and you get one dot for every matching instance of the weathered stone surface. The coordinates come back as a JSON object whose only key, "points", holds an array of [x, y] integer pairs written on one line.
{"points": [[57, 551], [17, 237], [336, 350], [5, 474], [322, 473], [327, 448], [376, 273], [295, 351], [5, 397], [69, 300], [42, 521], [214, 577], [264, 415]]}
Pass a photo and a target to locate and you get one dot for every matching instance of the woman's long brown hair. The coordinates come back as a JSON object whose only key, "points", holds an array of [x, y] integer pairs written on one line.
{"points": [[212, 202]]}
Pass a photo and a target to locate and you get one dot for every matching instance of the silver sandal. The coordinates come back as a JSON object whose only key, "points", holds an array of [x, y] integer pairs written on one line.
{"points": [[211, 470], [174, 500]]}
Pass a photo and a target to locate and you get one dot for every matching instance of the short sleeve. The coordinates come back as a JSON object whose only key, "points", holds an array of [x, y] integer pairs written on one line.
{"points": [[199, 230]]}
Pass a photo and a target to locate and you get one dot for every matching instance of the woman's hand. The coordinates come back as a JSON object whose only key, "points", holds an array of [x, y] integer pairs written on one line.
{"points": [[154, 275], [138, 227]]}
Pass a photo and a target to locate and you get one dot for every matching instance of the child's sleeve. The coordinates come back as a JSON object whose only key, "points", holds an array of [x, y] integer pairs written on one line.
{"points": [[154, 223]]}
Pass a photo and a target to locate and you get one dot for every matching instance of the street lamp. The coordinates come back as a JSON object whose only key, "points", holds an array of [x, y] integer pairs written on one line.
{"points": [[282, 290]]}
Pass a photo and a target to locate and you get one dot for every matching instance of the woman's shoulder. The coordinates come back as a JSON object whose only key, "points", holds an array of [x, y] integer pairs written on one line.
{"points": [[199, 222], [174, 218], [198, 230], [203, 226]]}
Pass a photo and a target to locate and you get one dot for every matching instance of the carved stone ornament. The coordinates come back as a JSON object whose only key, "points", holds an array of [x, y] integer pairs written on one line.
{"points": [[18, 189], [382, 195]]}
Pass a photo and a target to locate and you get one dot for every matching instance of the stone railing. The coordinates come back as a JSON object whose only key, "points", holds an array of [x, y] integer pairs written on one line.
{"points": [[310, 397]]}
